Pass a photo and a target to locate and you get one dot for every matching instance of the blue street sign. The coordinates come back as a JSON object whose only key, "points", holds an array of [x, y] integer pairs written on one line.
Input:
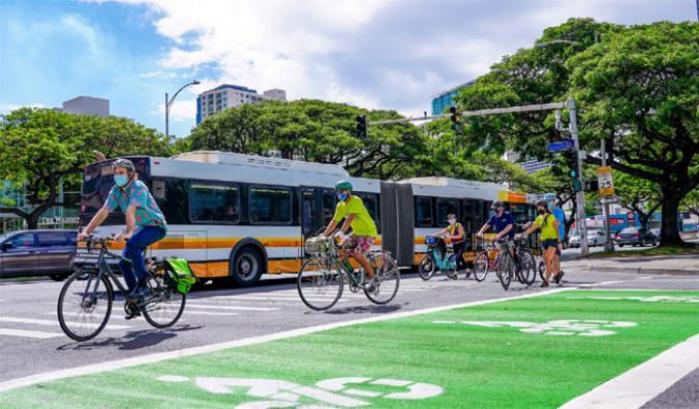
{"points": [[562, 145]]}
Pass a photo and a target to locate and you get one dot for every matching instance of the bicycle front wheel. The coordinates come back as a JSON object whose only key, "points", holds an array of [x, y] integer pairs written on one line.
{"points": [[526, 273], [386, 269], [426, 267], [164, 307], [505, 269], [319, 284], [84, 305], [480, 267]]}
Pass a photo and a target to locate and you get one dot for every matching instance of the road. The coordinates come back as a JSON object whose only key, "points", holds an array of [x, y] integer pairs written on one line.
{"points": [[32, 342]]}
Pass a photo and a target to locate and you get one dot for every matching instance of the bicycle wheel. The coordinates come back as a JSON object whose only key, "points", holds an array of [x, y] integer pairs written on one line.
{"points": [[164, 307], [386, 269], [480, 267], [320, 284], [84, 305], [526, 272], [505, 269], [426, 267], [542, 269]]}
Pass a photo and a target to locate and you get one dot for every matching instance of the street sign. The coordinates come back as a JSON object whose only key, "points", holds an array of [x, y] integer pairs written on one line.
{"points": [[562, 145], [604, 179], [611, 199]]}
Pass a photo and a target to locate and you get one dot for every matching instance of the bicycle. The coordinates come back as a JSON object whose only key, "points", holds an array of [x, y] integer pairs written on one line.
{"points": [[90, 292], [483, 262], [525, 263], [320, 281], [439, 257]]}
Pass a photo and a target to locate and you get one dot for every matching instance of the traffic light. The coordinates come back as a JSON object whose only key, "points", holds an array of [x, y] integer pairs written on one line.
{"points": [[456, 125], [591, 185], [577, 185], [361, 126]]}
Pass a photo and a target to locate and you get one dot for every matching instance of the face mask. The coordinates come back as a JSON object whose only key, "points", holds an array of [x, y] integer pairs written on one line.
{"points": [[121, 180], [342, 196], [540, 211], [452, 221]]}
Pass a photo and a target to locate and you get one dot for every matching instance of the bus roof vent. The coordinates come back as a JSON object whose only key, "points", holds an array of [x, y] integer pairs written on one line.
{"points": [[239, 159]]}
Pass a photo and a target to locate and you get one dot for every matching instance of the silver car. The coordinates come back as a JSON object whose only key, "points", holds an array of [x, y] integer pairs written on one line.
{"points": [[37, 252]]}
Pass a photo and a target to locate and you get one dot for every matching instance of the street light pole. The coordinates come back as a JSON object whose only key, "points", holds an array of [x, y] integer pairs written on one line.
{"points": [[579, 196], [168, 104]]}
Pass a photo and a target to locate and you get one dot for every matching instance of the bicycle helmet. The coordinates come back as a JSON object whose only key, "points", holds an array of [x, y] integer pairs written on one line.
{"points": [[124, 163], [343, 185], [497, 205]]}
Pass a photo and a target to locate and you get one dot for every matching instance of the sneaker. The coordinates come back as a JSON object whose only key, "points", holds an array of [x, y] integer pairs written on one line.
{"points": [[544, 284], [559, 277], [371, 285]]}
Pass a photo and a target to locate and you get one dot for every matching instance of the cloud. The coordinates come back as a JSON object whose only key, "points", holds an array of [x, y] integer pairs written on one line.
{"points": [[7, 108]]}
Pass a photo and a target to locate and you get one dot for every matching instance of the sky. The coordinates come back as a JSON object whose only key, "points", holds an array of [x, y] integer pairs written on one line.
{"points": [[389, 54]]}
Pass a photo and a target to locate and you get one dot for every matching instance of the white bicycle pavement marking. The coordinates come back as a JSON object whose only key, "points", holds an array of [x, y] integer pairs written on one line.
{"points": [[654, 298], [585, 328], [28, 334]]}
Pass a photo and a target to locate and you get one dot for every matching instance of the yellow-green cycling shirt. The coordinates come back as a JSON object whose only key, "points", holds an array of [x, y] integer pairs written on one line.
{"points": [[547, 223], [362, 224]]}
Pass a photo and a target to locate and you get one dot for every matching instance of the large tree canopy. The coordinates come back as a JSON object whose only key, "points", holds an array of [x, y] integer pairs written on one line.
{"points": [[39, 147], [636, 86]]}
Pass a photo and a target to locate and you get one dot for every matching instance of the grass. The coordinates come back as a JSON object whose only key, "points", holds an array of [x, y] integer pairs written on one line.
{"points": [[649, 252], [476, 366]]}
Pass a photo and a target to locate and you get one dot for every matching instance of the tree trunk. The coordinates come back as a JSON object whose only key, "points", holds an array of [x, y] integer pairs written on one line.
{"points": [[670, 233]]}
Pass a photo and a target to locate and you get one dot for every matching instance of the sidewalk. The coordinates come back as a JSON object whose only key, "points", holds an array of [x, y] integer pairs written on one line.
{"points": [[677, 265]]}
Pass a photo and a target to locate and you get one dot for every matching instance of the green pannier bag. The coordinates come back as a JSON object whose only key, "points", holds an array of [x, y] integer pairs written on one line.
{"points": [[181, 274]]}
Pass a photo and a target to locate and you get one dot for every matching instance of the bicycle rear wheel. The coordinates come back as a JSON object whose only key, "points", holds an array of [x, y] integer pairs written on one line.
{"points": [[426, 267], [505, 270], [164, 307], [526, 272], [84, 305], [386, 269], [480, 267], [320, 284]]}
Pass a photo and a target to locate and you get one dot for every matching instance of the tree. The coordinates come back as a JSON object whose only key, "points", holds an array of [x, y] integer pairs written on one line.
{"points": [[639, 195], [40, 147], [636, 87]]}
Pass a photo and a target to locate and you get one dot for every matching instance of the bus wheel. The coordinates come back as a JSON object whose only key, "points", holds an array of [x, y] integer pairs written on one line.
{"points": [[246, 268]]}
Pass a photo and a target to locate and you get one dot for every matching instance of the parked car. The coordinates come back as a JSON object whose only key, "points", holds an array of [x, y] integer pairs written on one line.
{"points": [[633, 236], [37, 252], [594, 238]]}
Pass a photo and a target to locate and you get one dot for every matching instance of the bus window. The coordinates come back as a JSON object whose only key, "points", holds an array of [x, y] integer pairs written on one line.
{"points": [[328, 206], [371, 205], [171, 194], [423, 211], [209, 203], [444, 207], [270, 205]]}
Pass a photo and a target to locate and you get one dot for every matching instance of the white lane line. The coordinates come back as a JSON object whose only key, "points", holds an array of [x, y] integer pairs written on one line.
{"points": [[644, 382], [601, 283], [229, 307], [162, 356], [210, 313], [53, 323], [28, 334]]}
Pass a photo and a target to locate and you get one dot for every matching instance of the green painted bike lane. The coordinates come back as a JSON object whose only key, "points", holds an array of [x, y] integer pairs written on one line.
{"points": [[528, 353]]}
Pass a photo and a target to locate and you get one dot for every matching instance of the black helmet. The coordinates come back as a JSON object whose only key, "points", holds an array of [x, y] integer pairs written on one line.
{"points": [[124, 163], [497, 205]]}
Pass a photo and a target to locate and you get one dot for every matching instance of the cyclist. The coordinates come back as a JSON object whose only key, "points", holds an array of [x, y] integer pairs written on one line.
{"points": [[145, 225], [352, 209], [548, 225], [502, 223], [455, 232], [561, 218]]}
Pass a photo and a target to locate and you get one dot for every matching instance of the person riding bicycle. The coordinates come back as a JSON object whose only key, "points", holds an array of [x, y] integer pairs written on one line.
{"points": [[560, 216], [351, 208], [502, 223], [548, 225], [455, 232], [145, 224]]}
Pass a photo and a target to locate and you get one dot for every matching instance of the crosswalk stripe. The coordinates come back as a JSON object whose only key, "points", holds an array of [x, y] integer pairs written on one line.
{"points": [[229, 307], [211, 313], [52, 323], [28, 334]]}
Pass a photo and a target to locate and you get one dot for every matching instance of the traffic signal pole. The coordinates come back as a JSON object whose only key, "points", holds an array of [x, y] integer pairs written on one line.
{"points": [[580, 195], [573, 127]]}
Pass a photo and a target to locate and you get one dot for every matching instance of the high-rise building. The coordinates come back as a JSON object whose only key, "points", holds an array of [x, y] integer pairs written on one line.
{"points": [[230, 96], [87, 105], [445, 100]]}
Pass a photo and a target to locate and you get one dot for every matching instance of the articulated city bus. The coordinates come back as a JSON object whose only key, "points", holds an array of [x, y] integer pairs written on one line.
{"points": [[239, 216]]}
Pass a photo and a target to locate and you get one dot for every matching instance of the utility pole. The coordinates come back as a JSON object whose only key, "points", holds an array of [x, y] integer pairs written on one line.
{"points": [[580, 195], [168, 105]]}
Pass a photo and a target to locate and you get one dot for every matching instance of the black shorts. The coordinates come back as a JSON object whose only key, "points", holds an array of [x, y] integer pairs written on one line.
{"points": [[549, 243]]}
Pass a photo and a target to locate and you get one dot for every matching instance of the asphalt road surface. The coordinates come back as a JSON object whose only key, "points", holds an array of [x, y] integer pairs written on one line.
{"points": [[32, 342]]}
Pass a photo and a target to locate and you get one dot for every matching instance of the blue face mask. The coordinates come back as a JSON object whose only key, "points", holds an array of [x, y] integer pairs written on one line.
{"points": [[121, 180], [342, 196]]}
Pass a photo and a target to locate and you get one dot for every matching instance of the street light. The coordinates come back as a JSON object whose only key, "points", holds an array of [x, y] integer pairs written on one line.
{"points": [[168, 104]]}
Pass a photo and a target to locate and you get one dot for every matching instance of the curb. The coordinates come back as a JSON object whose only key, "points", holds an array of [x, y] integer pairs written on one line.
{"points": [[639, 270]]}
